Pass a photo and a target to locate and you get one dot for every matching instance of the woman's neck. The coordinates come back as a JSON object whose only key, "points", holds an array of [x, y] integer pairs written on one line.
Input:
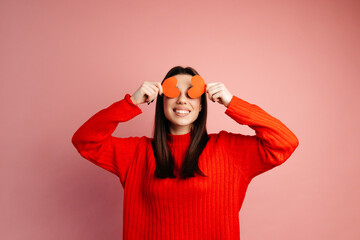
{"points": [[179, 139], [180, 130]]}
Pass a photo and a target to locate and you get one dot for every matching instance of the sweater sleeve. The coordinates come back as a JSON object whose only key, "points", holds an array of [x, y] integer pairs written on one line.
{"points": [[94, 142], [271, 146]]}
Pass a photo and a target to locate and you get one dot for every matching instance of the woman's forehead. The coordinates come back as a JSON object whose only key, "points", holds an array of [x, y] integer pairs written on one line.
{"points": [[183, 80]]}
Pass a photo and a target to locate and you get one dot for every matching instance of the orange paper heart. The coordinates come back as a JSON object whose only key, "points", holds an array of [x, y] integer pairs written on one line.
{"points": [[198, 87], [171, 91], [169, 87]]}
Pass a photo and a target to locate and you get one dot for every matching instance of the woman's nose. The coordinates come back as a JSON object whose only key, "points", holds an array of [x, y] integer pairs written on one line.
{"points": [[182, 97]]}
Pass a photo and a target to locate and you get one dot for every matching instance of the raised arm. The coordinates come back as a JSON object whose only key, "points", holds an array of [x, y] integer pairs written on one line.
{"points": [[93, 140], [271, 146]]}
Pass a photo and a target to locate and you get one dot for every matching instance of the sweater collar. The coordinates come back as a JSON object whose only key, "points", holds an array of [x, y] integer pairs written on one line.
{"points": [[182, 139]]}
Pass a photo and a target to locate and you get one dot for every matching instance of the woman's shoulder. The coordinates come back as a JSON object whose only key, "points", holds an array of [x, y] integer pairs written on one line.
{"points": [[132, 139], [224, 135], [218, 136]]}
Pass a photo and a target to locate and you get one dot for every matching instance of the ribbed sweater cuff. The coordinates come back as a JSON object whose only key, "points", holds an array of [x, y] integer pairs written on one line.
{"points": [[124, 109], [128, 99], [239, 107]]}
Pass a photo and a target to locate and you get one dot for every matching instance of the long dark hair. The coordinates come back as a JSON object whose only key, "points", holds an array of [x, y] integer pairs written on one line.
{"points": [[199, 137]]}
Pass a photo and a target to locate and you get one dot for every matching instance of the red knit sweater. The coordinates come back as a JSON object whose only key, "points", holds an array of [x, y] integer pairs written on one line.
{"points": [[195, 208]]}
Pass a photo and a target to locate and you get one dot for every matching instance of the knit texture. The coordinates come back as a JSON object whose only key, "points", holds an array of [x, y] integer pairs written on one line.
{"points": [[195, 208]]}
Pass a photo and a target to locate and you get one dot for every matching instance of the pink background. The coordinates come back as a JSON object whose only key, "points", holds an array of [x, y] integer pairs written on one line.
{"points": [[63, 61]]}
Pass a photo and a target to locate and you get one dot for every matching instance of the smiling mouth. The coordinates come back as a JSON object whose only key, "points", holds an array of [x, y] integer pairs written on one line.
{"points": [[181, 113]]}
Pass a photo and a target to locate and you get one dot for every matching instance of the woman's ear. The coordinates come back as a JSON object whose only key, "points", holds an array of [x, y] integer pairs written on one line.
{"points": [[200, 108]]}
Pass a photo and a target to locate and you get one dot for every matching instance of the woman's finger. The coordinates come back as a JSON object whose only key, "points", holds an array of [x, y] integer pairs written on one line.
{"points": [[154, 87], [149, 92], [217, 98], [158, 85], [210, 86], [214, 91]]}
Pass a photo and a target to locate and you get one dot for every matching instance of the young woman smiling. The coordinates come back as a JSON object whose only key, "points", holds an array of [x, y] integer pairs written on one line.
{"points": [[184, 183]]}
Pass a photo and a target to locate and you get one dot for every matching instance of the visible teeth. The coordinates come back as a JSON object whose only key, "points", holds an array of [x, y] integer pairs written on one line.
{"points": [[182, 111]]}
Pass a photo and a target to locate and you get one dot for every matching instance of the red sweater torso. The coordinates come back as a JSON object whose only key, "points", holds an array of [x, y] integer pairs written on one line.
{"points": [[195, 208]]}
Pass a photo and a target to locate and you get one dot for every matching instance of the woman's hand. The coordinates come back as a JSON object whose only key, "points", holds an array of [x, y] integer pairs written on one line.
{"points": [[147, 92], [217, 92]]}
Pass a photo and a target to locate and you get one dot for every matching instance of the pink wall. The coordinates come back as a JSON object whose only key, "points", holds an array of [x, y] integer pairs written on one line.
{"points": [[62, 61]]}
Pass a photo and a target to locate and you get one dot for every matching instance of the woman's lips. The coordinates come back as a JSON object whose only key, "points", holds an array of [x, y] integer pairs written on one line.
{"points": [[181, 113]]}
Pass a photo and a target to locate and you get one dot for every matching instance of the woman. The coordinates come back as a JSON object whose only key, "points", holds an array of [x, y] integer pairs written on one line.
{"points": [[184, 183]]}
